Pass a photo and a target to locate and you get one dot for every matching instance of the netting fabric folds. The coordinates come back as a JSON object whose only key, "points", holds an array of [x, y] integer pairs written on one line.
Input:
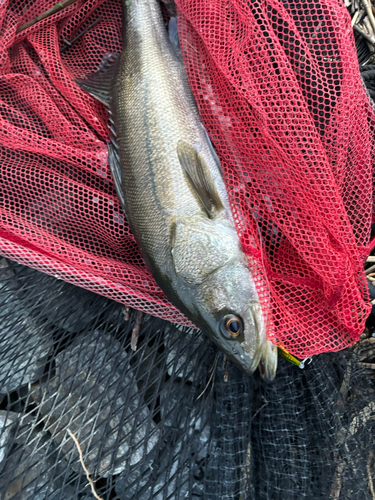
{"points": [[278, 88]]}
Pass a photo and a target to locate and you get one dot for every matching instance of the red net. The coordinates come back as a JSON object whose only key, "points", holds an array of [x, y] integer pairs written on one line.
{"points": [[279, 91]]}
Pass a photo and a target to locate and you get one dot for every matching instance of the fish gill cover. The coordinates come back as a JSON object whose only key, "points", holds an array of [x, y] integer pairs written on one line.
{"points": [[278, 88]]}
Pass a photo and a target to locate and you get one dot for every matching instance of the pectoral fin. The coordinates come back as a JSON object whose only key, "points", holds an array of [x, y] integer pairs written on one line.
{"points": [[200, 178]]}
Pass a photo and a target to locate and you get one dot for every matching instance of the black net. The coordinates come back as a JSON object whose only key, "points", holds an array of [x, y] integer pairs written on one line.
{"points": [[172, 419]]}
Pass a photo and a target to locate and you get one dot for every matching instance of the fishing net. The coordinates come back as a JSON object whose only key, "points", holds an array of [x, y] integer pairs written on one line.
{"points": [[279, 90], [171, 420]]}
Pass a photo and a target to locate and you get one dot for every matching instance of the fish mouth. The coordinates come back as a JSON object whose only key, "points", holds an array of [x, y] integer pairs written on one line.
{"points": [[256, 351], [268, 363], [260, 337], [265, 357]]}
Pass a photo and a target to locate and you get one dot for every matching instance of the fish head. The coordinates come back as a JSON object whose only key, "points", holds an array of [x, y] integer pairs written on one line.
{"points": [[229, 306], [224, 301]]}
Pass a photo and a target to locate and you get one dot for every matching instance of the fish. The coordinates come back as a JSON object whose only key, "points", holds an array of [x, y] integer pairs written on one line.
{"points": [[169, 181]]}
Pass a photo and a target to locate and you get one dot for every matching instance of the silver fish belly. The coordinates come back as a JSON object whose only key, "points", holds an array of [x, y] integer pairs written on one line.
{"points": [[169, 180]]}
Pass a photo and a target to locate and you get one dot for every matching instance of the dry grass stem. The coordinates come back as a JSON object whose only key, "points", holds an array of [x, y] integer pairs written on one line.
{"points": [[369, 366], [135, 332], [368, 26], [336, 483], [365, 349], [365, 35], [260, 409], [213, 371], [245, 480], [126, 313], [354, 19], [56, 8], [367, 5], [370, 481], [91, 482], [362, 418]]}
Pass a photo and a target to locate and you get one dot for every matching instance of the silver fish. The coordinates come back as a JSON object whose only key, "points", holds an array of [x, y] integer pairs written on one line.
{"points": [[169, 181]]}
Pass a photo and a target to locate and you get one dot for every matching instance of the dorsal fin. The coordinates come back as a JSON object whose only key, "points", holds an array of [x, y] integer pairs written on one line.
{"points": [[114, 160], [99, 84], [199, 177]]}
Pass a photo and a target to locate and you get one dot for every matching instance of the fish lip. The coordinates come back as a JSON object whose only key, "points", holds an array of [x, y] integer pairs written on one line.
{"points": [[267, 376], [269, 362], [257, 316]]}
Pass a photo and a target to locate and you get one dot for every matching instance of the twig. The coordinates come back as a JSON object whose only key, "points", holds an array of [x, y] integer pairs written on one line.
{"points": [[370, 481], [135, 332], [361, 419], [344, 389], [56, 8], [91, 482], [372, 268], [365, 335], [369, 366], [355, 17], [365, 348], [367, 5], [259, 409], [68, 43], [368, 26], [336, 483], [245, 480], [366, 37]]}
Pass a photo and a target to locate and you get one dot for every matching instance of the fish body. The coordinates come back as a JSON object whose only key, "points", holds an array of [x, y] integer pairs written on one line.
{"points": [[169, 180]]}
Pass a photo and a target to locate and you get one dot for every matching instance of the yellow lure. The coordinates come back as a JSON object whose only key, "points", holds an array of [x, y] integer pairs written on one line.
{"points": [[289, 357]]}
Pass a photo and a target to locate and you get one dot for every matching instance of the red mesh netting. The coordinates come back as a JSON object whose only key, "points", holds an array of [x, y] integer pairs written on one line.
{"points": [[279, 91]]}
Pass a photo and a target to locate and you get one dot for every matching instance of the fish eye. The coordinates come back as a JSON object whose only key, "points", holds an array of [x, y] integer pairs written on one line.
{"points": [[231, 326]]}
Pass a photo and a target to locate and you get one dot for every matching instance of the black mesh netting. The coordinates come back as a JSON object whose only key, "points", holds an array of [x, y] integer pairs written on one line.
{"points": [[66, 363]]}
